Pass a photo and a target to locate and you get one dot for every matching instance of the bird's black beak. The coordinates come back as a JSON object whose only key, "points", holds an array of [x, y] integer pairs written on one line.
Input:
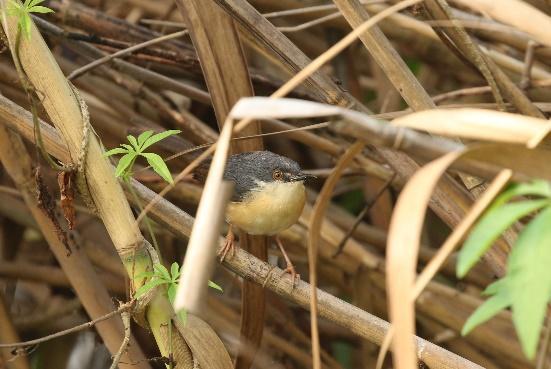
{"points": [[300, 177]]}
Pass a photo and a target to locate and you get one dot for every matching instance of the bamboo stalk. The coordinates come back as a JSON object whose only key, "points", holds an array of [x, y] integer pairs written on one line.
{"points": [[77, 267], [64, 110]]}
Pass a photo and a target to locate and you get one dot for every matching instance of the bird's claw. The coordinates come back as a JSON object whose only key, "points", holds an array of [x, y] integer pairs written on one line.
{"points": [[229, 246], [294, 275]]}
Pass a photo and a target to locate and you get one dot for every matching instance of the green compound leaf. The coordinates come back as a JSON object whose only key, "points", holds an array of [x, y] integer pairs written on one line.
{"points": [[172, 292], [115, 151], [143, 137], [215, 286], [158, 165], [40, 9], [175, 271], [124, 163], [487, 310], [492, 224], [30, 4], [129, 148], [530, 280], [182, 314], [158, 137], [134, 142], [161, 272], [148, 286]]}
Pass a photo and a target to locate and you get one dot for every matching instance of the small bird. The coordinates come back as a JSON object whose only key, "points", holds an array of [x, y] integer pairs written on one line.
{"points": [[269, 196]]}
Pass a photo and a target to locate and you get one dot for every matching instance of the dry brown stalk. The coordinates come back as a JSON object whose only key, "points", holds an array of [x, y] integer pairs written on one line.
{"points": [[226, 73]]}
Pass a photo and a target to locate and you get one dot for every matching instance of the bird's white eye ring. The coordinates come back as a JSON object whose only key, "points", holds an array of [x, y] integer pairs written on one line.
{"points": [[277, 175]]}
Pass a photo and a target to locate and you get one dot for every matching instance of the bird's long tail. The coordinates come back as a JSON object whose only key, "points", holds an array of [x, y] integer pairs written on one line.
{"points": [[253, 305]]}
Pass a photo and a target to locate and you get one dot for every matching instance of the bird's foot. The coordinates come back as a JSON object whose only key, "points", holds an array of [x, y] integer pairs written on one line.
{"points": [[290, 268], [229, 246], [294, 275]]}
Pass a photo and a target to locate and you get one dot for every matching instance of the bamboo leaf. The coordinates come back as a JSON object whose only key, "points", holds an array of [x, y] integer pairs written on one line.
{"points": [[530, 280], [534, 188], [487, 310], [492, 224], [495, 287]]}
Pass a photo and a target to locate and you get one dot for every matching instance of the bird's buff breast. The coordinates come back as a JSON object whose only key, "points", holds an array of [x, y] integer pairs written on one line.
{"points": [[270, 209]]}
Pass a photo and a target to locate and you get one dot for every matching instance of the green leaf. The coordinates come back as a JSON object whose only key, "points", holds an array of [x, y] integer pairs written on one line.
{"points": [[161, 271], [143, 137], [215, 286], [171, 292], [535, 188], [124, 164], [487, 310], [115, 151], [158, 165], [133, 141], [148, 286], [159, 136], [530, 280], [495, 287], [33, 3], [182, 314], [491, 225], [25, 22], [40, 9], [175, 271], [28, 4], [128, 147]]}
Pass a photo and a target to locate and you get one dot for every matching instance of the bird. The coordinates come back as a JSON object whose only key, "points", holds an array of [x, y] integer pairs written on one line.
{"points": [[269, 196]]}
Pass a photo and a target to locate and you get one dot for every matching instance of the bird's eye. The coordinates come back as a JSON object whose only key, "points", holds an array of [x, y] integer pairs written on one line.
{"points": [[277, 175]]}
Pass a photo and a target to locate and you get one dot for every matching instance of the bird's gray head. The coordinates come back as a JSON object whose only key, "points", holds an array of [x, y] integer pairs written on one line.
{"points": [[249, 169]]}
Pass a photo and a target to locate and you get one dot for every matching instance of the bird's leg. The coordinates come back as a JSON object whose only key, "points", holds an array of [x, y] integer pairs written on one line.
{"points": [[229, 246], [290, 268]]}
